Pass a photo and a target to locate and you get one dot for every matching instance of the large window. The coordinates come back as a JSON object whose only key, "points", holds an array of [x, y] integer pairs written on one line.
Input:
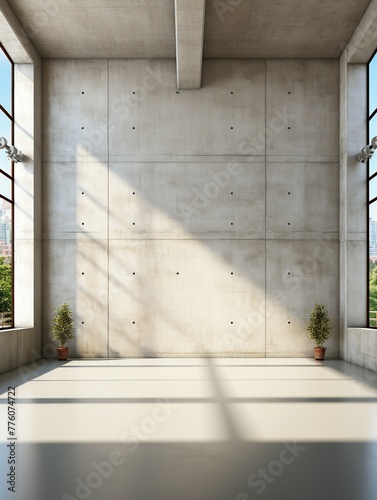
{"points": [[372, 132], [6, 192]]}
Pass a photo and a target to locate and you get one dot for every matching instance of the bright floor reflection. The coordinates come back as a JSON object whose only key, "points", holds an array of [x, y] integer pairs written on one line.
{"points": [[194, 400], [203, 429]]}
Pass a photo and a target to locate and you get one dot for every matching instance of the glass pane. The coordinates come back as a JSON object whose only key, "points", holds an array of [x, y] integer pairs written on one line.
{"points": [[373, 127], [373, 164], [6, 228], [5, 82], [5, 264], [373, 85], [373, 233], [372, 191], [5, 131], [373, 133], [373, 211], [5, 186]]}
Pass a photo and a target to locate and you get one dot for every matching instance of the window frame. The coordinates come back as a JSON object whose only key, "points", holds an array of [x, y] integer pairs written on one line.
{"points": [[10, 116]]}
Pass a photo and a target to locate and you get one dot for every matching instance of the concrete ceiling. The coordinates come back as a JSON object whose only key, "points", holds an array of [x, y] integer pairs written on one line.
{"points": [[233, 28]]}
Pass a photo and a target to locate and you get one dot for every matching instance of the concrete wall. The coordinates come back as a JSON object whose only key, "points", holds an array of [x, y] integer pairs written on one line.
{"points": [[362, 347], [17, 347], [189, 223], [353, 196]]}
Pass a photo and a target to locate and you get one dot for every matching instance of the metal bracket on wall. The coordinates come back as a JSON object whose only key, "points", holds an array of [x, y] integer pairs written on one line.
{"points": [[367, 152], [12, 152]]}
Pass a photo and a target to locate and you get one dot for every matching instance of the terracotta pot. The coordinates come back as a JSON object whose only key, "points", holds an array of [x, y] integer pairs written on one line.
{"points": [[62, 353], [319, 353]]}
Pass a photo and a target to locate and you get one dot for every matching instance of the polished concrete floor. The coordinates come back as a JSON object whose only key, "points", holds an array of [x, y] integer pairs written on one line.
{"points": [[191, 429]]}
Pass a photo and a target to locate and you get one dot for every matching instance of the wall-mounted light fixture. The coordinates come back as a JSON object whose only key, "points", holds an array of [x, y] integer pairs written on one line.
{"points": [[11, 151], [367, 152]]}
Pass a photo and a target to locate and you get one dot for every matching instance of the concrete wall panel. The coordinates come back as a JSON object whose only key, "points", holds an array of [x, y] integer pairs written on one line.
{"points": [[19, 347], [24, 258], [302, 198], [357, 283], [343, 271], [362, 347], [299, 275], [186, 297], [302, 108], [27, 351], [8, 349], [356, 140], [27, 173], [75, 271], [150, 117], [75, 199], [353, 206], [182, 200], [75, 110]]}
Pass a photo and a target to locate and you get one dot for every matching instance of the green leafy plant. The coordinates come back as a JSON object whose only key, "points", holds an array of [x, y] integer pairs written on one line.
{"points": [[5, 286], [62, 326], [319, 328], [373, 297]]}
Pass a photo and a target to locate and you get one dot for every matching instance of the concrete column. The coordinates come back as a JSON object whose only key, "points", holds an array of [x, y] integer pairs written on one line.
{"points": [[353, 200]]}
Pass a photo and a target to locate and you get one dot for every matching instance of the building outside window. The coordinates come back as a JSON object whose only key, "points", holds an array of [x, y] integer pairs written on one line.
{"points": [[6, 192]]}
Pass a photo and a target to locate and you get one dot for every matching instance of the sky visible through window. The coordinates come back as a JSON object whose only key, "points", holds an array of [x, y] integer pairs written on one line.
{"points": [[6, 191], [6, 102], [5, 82], [373, 85], [373, 133]]}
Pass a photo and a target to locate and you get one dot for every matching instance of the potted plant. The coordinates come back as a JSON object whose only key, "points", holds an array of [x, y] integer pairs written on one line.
{"points": [[319, 329], [62, 329]]}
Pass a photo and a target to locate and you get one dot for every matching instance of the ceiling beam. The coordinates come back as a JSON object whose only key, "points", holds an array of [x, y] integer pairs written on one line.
{"points": [[363, 42], [189, 35], [14, 38]]}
